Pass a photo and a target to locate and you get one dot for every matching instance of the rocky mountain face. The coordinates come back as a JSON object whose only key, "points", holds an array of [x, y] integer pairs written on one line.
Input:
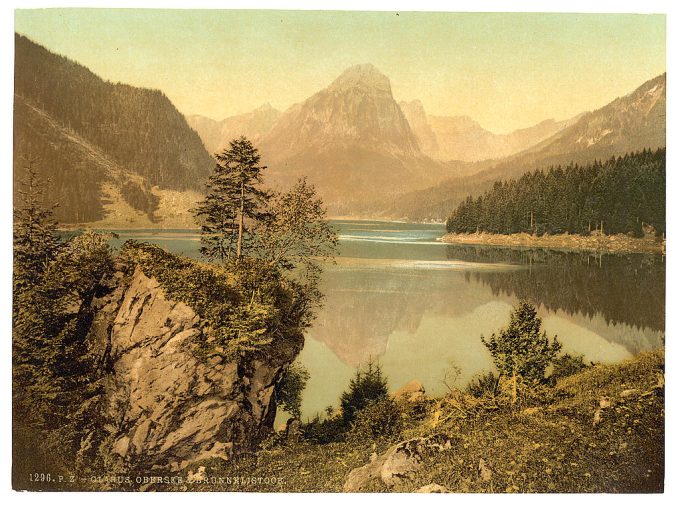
{"points": [[420, 124], [461, 138], [629, 123], [352, 141], [217, 134], [357, 110], [166, 406], [85, 133]]}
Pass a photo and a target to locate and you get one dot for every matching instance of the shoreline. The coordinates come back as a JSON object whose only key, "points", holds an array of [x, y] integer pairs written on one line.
{"points": [[595, 243]]}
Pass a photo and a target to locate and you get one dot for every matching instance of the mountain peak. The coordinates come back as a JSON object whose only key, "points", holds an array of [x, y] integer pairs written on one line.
{"points": [[362, 76], [265, 107]]}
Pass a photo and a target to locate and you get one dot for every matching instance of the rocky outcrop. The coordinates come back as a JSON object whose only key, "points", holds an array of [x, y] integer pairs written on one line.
{"points": [[396, 464], [168, 407]]}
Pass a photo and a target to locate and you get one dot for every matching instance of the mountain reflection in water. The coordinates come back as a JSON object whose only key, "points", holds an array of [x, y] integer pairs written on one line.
{"points": [[417, 305]]}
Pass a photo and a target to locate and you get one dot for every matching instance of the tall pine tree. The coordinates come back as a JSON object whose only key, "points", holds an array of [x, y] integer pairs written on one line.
{"points": [[234, 198]]}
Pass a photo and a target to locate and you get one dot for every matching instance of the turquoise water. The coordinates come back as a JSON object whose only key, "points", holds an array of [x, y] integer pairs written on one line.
{"points": [[418, 306]]}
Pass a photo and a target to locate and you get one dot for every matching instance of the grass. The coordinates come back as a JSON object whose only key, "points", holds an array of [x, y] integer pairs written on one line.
{"points": [[546, 442]]}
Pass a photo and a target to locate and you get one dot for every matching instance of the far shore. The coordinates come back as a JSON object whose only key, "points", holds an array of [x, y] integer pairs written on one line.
{"points": [[596, 242]]}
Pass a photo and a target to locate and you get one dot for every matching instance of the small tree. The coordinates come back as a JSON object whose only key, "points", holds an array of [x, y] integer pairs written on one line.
{"points": [[293, 235], [234, 196], [57, 378], [522, 349], [294, 230], [368, 386], [289, 389]]}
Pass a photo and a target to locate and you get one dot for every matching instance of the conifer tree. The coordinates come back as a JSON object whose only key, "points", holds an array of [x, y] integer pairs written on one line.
{"points": [[234, 197], [367, 386], [36, 242], [522, 350]]}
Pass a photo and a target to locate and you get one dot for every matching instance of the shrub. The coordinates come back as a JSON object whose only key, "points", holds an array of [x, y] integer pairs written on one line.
{"points": [[483, 385], [326, 431], [378, 419], [522, 349], [567, 365], [289, 389]]}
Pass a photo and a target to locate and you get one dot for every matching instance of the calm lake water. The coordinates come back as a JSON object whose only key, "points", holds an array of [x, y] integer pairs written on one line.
{"points": [[418, 306]]}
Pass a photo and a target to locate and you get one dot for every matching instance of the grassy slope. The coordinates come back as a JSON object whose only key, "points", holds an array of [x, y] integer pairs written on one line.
{"points": [[548, 443]]}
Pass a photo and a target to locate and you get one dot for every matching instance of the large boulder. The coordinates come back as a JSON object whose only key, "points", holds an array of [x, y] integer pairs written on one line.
{"points": [[168, 407], [413, 391], [397, 464]]}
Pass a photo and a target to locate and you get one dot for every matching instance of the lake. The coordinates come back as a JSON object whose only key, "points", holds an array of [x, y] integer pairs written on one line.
{"points": [[418, 306]]}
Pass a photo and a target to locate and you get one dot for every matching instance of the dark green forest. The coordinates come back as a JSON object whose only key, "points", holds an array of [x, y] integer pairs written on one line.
{"points": [[620, 195], [135, 128]]}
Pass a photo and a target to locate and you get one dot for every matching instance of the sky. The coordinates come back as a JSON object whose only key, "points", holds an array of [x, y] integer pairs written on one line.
{"points": [[506, 71]]}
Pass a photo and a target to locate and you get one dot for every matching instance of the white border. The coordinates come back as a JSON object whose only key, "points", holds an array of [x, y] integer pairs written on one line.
{"points": [[240, 499]]}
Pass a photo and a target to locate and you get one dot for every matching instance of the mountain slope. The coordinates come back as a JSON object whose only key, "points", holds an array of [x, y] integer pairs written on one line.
{"points": [[627, 124], [217, 134], [353, 142], [135, 129]]}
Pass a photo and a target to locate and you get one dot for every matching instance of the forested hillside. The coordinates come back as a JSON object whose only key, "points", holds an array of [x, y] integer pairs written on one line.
{"points": [[135, 129], [620, 195]]}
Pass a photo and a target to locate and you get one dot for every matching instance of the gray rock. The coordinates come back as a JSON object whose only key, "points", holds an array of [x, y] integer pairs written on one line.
{"points": [[485, 474], [168, 407], [396, 464], [432, 488]]}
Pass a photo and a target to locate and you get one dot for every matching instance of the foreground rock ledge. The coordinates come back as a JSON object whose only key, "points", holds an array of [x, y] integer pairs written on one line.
{"points": [[168, 408]]}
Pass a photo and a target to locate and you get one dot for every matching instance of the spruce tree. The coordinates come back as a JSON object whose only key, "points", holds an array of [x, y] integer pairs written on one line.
{"points": [[234, 197], [522, 349], [36, 241], [368, 386]]}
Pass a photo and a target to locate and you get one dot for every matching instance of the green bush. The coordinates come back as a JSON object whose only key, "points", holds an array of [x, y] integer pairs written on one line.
{"points": [[567, 365], [381, 418], [522, 350], [483, 385], [289, 389], [330, 430]]}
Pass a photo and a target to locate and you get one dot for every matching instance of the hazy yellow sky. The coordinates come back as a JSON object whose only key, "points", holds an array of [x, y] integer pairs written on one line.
{"points": [[506, 71]]}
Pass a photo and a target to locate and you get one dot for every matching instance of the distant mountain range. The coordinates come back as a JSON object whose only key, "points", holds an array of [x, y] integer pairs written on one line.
{"points": [[369, 155], [461, 138], [124, 156], [353, 142], [217, 134], [627, 124]]}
